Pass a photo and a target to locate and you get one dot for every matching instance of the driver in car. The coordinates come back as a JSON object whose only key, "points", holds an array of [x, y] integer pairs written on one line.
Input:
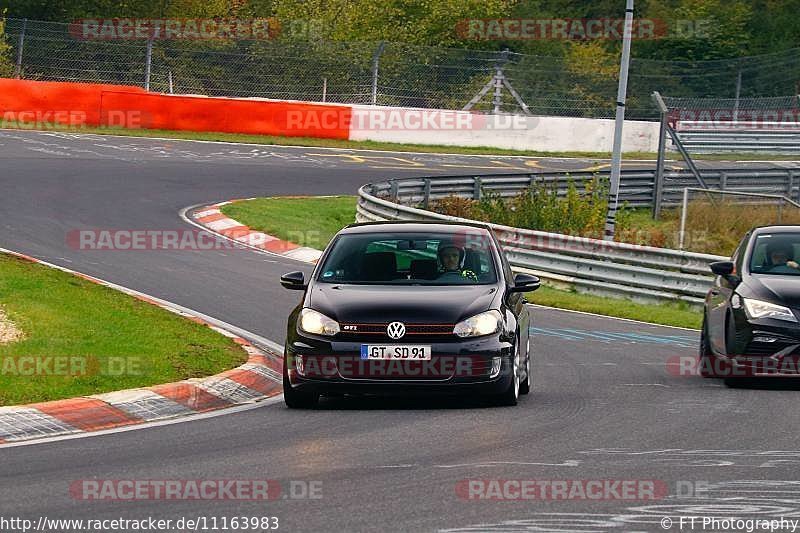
{"points": [[451, 258], [781, 257]]}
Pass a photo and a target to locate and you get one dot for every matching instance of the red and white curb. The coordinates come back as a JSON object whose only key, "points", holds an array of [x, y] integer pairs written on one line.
{"points": [[258, 379], [212, 219]]}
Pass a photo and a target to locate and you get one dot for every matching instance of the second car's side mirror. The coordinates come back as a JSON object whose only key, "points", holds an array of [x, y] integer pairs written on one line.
{"points": [[294, 281], [525, 283], [726, 270], [722, 268]]}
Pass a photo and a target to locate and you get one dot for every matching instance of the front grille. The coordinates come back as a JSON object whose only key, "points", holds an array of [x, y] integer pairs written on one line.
{"points": [[764, 348], [377, 331]]}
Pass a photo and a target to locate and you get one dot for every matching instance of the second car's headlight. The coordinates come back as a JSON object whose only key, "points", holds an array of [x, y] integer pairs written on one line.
{"points": [[314, 322], [480, 324], [762, 309]]}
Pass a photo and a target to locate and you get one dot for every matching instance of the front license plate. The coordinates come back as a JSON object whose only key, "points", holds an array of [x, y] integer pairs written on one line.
{"points": [[396, 351]]}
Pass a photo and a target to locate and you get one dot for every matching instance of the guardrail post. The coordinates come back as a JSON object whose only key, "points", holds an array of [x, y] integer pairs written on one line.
{"points": [[723, 180], [393, 188], [476, 188], [797, 196], [789, 184], [426, 191]]}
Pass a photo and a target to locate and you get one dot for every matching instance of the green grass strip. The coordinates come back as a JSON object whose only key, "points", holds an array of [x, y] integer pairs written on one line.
{"points": [[115, 341]]}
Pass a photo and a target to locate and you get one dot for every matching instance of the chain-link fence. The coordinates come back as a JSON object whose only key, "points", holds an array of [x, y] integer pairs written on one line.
{"points": [[383, 73]]}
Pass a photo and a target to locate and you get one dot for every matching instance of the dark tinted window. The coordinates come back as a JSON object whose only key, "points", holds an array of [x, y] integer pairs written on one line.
{"points": [[411, 258], [776, 254]]}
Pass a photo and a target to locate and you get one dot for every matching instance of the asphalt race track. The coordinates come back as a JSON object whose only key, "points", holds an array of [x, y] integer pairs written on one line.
{"points": [[606, 405]]}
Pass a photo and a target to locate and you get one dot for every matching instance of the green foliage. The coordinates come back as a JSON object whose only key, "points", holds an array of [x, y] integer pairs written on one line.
{"points": [[734, 27], [436, 65], [580, 211], [408, 21], [6, 62]]}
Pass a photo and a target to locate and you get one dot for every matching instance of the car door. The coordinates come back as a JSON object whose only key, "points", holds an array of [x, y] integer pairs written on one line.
{"points": [[719, 300], [516, 303]]}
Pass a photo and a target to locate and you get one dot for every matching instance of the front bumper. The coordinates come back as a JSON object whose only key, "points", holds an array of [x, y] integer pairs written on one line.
{"points": [[764, 348], [481, 366]]}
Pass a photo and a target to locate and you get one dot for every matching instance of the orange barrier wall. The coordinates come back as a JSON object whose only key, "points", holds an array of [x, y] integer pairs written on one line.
{"points": [[131, 107], [191, 113], [48, 102]]}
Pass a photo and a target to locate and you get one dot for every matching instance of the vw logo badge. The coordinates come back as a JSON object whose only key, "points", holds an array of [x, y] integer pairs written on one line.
{"points": [[396, 330]]}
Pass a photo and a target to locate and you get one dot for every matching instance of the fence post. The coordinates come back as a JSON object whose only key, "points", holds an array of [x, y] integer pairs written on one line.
{"points": [[20, 47], [427, 193], [684, 208], [171, 88], [324, 89], [658, 182], [738, 93], [793, 175], [476, 188], [147, 63], [376, 59]]}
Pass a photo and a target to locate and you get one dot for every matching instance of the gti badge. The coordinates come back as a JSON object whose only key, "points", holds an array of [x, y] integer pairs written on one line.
{"points": [[396, 330]]}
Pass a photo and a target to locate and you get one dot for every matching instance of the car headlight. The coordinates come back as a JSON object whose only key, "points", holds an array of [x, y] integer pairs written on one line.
{"points": [[480, 324], [314, 322], [762, 309]]}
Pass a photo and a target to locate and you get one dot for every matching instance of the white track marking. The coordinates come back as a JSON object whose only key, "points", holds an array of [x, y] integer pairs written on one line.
{"points": [[190, 418]]}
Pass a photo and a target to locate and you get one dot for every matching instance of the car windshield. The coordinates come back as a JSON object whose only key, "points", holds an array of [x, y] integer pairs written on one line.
{"points": [[463, 258], [776, 254]]}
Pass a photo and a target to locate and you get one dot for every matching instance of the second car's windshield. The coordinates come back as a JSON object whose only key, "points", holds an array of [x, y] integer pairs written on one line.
{"points": [[776, 253], [411, 258]]}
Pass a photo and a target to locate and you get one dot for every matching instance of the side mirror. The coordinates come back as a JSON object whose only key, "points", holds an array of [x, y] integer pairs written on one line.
{"points": [[725, 269], [294, 281], [525, 283], [722, 268]]}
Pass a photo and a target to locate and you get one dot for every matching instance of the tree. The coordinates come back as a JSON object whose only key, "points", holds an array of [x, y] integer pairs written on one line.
{"points": [[6, 62]]}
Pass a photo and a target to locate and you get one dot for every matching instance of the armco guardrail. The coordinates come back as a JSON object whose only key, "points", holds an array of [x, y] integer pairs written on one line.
{"points": [[636, 186], [770, 141], [640, 272]]}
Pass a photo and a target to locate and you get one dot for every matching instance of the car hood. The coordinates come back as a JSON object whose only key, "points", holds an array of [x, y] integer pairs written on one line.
{"points": [[412, 304], [784, 290]]}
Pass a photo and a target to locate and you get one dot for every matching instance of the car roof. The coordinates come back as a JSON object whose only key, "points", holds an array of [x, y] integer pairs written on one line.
{"points": [[787, 228], [414, 226]]}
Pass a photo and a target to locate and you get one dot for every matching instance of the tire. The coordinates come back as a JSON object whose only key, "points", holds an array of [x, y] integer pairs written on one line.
{"points": [[509, 397], [295, 399], [708, 364], [526, 386]]}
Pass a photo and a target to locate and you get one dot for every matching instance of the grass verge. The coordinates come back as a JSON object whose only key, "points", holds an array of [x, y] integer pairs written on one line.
{"points": [[677, 314], [315, 220], [311, 221], [381, 146], [107, 340]]}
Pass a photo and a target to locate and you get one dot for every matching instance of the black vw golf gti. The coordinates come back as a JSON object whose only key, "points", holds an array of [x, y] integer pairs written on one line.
{"points": [[750, 326], [406, 307]]}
